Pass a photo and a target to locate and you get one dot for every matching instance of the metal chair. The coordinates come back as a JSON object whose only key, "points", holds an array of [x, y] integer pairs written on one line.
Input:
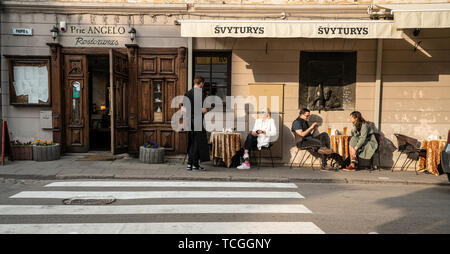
{"points": [[265, 148], [408, 146], [308, 149]]}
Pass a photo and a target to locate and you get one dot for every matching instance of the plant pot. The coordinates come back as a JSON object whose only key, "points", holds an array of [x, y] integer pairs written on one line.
{"points": [[22, 152], [46, 153], [151, 155]]}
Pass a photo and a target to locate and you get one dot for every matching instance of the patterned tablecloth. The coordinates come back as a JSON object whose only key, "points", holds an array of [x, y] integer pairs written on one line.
{"points": [[339, 144], [224, 146], [433, 159]]}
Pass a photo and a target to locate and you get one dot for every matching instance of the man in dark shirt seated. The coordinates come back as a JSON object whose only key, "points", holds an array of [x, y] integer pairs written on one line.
{"points": [[305, 132]]}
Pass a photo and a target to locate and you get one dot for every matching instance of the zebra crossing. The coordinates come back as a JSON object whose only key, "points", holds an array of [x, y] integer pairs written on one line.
{"points": [[192, 195]]}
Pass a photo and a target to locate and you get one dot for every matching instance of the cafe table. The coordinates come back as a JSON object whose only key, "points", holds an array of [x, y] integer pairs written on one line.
{"points": [[339, 144], [433, 156], [224, 146]]}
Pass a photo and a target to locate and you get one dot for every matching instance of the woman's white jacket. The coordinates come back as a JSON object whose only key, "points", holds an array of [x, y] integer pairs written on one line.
{"points": [[269, 127]]}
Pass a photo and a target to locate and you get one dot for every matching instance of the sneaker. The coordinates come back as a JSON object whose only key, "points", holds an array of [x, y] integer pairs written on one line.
{"points": [[245, 156], [198, 168], [244, 166], [189, 167], [350, 168], [326, 168]]}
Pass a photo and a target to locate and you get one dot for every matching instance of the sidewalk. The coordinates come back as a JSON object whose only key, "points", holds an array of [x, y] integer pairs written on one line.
{"points": [[131, 168]]}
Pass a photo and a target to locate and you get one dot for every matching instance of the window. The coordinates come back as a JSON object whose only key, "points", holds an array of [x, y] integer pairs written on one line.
{"points": [[29, 82], [215, 67], [327, 80]]}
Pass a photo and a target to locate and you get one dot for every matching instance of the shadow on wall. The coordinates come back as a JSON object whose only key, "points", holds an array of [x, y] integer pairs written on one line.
{"points": [[422, 212]]}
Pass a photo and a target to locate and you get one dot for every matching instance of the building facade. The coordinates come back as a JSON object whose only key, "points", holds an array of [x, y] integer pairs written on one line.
{"points": [[377, 57]]}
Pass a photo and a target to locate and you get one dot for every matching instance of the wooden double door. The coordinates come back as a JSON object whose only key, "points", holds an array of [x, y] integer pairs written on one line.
{"points": [[142, 83], [76, 107]]}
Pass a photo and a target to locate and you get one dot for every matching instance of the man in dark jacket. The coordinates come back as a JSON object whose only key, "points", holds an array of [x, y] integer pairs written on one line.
{"points": [[197, 141], [305, 132]]}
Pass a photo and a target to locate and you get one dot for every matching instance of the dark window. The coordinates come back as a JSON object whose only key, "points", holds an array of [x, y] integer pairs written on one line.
{"points": [[327, 80], [215, 67]]}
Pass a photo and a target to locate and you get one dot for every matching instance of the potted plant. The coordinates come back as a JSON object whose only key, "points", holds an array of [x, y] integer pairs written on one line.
{"points": [[150, 152], [21, 151], [46, 151]]}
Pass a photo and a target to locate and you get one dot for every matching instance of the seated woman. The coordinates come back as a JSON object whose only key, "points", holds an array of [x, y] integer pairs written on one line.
{"points": [[263, 130], [363, 144]]}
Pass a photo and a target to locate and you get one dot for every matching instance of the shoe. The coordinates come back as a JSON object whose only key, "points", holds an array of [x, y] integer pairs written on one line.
{"points": [[198, 168], [245, 156], [189, 167], [350, 168], [244, 166], [324, 150], [326, 168]]}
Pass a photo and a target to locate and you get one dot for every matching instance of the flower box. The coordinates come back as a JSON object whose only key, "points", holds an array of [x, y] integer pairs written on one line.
{"points": [[22, 152], [46, 153], [151, 155]]}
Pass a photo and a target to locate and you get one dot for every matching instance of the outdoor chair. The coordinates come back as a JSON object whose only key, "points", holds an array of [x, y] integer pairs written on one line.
{"points": [[307, 149], [267, 148], [410, 147], [379, 139]]}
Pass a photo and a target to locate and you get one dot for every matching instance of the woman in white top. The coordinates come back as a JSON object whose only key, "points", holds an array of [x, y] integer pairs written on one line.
{"points": [[263, 131]]}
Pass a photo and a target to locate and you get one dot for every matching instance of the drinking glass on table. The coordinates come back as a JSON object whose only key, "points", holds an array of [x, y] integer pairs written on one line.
{"points": [[345, 131], [329, 131]]}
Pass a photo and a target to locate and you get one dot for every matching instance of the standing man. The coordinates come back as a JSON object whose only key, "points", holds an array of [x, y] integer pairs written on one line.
{"points": [[310, 138], [197, 141]]}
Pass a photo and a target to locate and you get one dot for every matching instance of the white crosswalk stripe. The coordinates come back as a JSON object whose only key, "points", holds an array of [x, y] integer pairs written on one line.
{"points": [[187, 204], [170, 184], [148, 209], [166, 228], [156, 194]]}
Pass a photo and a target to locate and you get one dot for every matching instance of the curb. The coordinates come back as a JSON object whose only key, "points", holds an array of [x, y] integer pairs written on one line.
{"points": [[218, 178]]}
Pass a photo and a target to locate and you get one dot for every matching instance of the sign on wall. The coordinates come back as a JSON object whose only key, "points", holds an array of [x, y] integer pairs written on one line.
{"points": [[107, 36], [22, 31]]}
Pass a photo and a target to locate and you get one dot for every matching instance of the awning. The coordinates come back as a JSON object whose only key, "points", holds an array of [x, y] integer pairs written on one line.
{"points": [[349, 29], [419, 15]]}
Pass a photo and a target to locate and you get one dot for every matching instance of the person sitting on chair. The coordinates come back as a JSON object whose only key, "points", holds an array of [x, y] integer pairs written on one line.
{"points": [[363, 144], [309, 137], [263, 130]]}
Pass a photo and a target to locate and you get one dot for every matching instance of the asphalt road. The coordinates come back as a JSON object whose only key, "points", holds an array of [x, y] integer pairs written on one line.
{"points": [[299, 208]]}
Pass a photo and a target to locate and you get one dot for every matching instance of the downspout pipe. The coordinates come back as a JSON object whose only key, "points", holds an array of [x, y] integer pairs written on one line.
{"points": [[378, 86]]}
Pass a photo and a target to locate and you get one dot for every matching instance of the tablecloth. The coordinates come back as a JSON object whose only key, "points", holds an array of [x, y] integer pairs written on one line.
{"points": [[225, 145], [433, 157], [339, 144]]}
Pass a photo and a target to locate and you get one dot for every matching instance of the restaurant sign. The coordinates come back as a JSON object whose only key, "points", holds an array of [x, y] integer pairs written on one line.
{"points": [[95, 36], [290, 29]]}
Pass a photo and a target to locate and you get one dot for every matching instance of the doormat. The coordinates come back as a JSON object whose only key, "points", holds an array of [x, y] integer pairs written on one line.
{"points": [[99, 158]]}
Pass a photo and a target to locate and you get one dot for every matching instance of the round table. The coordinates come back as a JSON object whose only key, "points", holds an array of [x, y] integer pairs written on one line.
{"points": [[339, 144], [224, 146], [433, 157]]}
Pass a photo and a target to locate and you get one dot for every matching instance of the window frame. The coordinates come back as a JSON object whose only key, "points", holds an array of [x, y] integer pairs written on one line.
{"points": [[27, 61], [226, 54], [349, 58]]}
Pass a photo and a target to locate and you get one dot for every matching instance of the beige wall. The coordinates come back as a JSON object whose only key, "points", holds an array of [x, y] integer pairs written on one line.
{"points": [[416, 88]]}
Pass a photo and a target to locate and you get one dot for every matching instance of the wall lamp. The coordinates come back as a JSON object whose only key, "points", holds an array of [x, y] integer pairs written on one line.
{"points": [[132, 33], [54, 32]]}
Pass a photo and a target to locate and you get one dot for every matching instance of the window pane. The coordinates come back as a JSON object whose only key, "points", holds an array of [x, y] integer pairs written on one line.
{"points": [[214, 69]]}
